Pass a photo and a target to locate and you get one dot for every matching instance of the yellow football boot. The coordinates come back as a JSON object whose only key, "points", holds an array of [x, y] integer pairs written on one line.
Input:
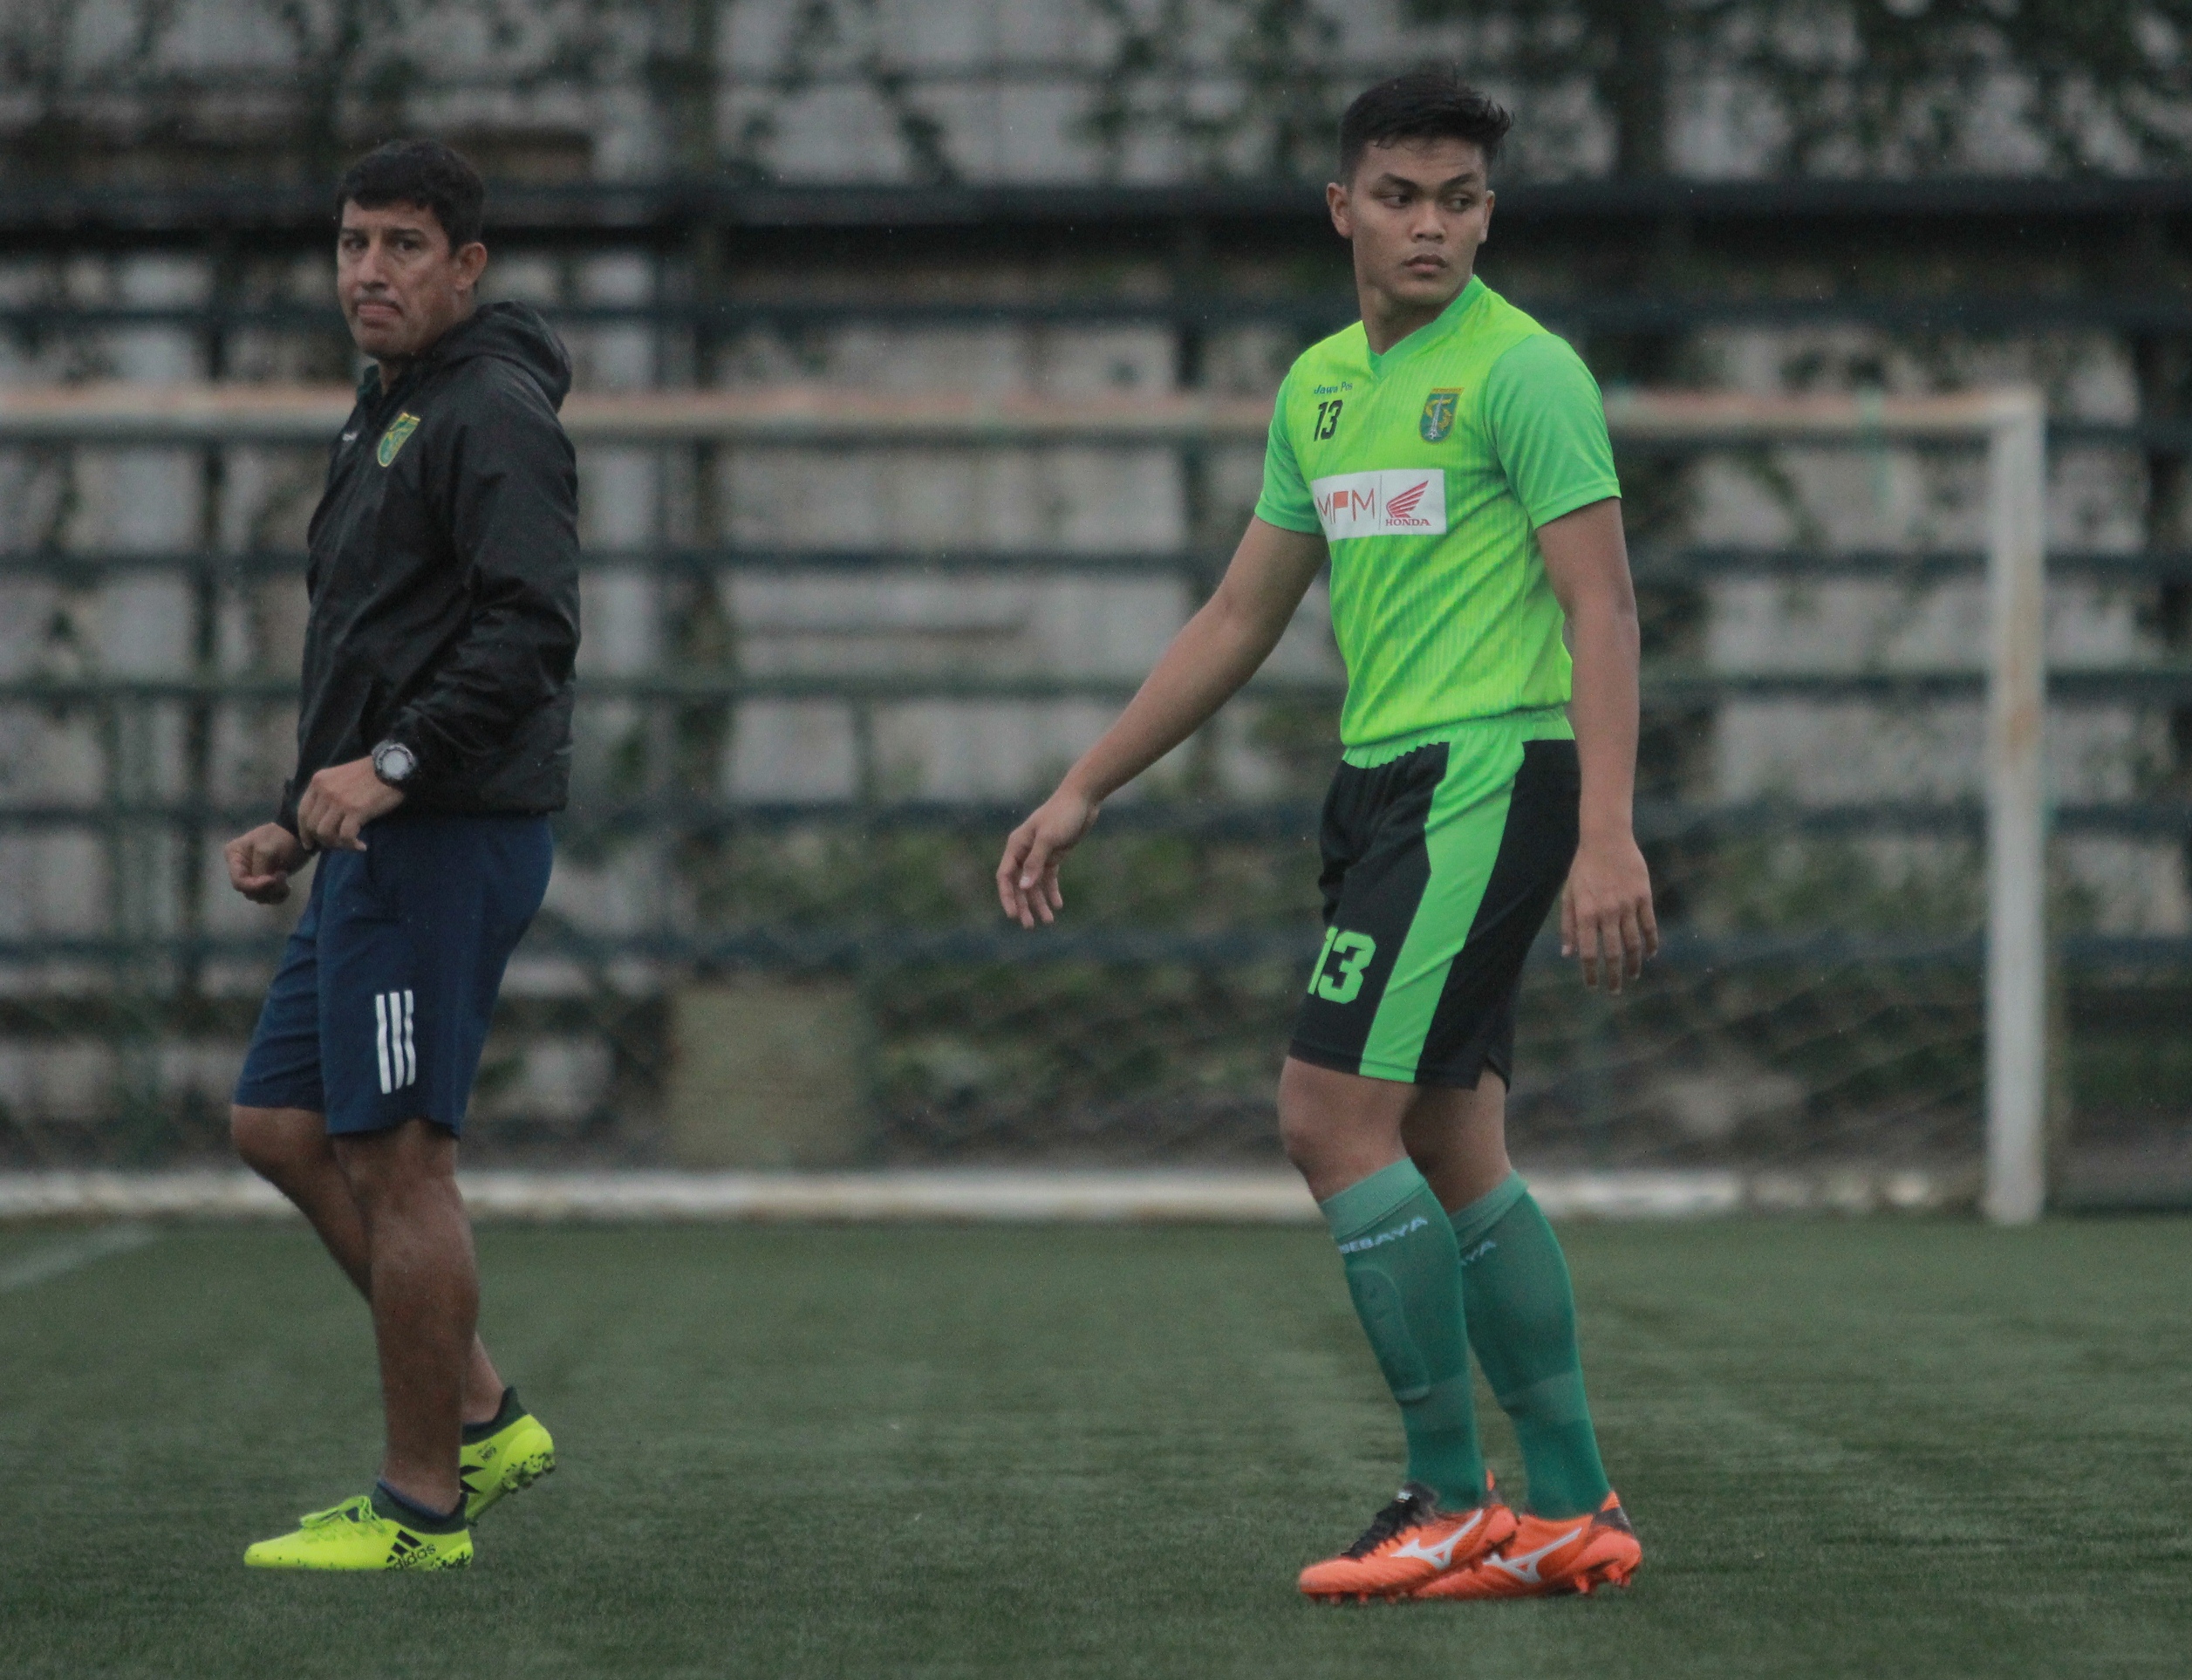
{"points": [[512, 1453], [352, 1536]]}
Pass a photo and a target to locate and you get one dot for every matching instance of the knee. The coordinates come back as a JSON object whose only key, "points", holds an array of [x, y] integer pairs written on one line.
{"points": [[1337, 1128], [1311, 1123], [1434, 1155], [386, 1169], [1298, 1120], [1303, 1136], [275, 1143]]}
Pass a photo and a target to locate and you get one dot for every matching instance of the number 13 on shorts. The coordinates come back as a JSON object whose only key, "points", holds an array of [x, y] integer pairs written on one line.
{"points": [[1349, 955]]}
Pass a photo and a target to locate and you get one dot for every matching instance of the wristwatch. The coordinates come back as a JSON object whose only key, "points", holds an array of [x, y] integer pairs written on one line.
{"points": [[394, 763]]}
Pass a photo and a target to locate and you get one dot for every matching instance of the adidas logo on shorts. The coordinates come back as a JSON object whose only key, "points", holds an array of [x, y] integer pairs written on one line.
{"points": [[392, 1040]]}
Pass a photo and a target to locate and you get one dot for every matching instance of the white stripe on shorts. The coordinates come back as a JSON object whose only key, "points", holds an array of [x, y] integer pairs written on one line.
{"points": [[380, 1039], [394, 1047]]}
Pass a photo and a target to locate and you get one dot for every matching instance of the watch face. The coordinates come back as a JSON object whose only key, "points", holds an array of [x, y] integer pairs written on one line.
{"points": [[394, 762]]}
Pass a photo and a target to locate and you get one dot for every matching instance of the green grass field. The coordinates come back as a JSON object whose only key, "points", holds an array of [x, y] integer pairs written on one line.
{"points": [[1873, 1448]]}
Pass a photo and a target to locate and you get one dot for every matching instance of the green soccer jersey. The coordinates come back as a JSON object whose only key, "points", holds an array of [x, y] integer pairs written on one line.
{"points": [[1428, 469]]}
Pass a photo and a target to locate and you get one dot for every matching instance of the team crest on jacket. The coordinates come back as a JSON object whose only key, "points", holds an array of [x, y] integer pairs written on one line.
{"points": [[1438, 416], [401, 429]]}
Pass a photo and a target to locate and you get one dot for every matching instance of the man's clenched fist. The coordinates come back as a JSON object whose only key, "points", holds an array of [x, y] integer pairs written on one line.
{"points": [[261, 863]]}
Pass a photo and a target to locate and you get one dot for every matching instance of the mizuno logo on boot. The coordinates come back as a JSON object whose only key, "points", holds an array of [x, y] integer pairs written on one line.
{"points": [[1440, 1556], [1526, 1567]]}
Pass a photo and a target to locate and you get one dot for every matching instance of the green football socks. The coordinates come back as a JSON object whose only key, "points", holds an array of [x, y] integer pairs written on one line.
{"points": [[1521, 1317], [1401, 1270]]}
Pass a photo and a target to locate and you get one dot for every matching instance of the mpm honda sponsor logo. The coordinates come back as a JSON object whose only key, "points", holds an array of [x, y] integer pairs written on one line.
{"points": [[1410, 503]]}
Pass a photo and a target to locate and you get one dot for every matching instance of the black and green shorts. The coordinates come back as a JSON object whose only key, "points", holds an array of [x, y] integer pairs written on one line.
{"points": [[1441, 860]]}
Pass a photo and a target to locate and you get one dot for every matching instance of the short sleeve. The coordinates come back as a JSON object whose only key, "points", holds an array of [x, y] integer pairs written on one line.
{"points": [[1549, 429], [1285, 501]]}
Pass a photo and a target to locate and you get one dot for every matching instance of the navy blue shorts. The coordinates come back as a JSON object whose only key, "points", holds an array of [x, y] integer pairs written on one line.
{"points": [[380, 1007]]}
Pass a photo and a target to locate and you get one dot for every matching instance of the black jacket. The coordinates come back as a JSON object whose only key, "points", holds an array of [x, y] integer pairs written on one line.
{"points": [[444, 575]]}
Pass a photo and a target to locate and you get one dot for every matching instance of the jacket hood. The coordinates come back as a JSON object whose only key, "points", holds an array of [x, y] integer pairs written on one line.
{"points": [[515, 333]]}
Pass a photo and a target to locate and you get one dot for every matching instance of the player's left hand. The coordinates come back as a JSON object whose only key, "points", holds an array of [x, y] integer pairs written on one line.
{"points": [[1606, 916], [339, 802], [1028, 876]]}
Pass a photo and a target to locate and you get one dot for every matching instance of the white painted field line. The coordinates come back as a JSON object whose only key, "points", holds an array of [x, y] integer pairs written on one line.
{"points": [[55, 1259], [967, 1195], [195, 1192], [1148, 1196]]}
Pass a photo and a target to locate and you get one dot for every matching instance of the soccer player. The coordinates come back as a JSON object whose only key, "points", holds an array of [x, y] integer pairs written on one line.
{"points": [[433, 737], [1450, 457]]}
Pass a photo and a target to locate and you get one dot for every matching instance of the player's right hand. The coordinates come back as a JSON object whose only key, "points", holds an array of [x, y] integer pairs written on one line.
{"points": [[261, 863], [1027, 878]]}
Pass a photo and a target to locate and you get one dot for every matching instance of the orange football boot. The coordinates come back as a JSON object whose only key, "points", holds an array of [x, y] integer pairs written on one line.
{"points": [[1409, 1542], [1545, 1557]]}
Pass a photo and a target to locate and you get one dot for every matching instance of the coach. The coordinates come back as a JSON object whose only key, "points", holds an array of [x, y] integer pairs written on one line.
{"points": [[433, 739]]}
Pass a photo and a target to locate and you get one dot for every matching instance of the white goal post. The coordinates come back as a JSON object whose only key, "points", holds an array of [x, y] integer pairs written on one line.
{"points": [[2009, 423]]}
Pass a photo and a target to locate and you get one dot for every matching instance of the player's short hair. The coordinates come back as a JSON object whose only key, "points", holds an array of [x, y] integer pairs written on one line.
{"points": [[1429, 102], [424, 173]]}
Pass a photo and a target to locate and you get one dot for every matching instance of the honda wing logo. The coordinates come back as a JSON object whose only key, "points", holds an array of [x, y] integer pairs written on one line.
{"points": [[1382, 504], [1401, 510]]}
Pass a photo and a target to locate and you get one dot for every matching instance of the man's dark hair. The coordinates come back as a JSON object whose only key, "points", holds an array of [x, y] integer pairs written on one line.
{"points": [[421, 171], [1429, 102]]}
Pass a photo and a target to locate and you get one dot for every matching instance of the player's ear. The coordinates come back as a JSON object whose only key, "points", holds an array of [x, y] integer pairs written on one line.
{"points": [[1336, 201], [471, 262]]}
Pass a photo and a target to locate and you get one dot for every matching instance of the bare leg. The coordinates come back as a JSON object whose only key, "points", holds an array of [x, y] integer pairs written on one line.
{"points": [[426, 1297], [1340, 1128], [1458, 1139], [290, 1149]]}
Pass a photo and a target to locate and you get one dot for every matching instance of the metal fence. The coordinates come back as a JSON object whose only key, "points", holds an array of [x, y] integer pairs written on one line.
{"points": [[1819, 1000]]}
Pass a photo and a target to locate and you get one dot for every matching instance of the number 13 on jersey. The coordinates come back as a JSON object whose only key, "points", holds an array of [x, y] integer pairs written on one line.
{"points": [[1349, 955]]}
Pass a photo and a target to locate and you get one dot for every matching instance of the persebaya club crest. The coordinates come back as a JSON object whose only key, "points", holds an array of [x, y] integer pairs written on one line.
{"points": [[403, 426], [1438, 416]]}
